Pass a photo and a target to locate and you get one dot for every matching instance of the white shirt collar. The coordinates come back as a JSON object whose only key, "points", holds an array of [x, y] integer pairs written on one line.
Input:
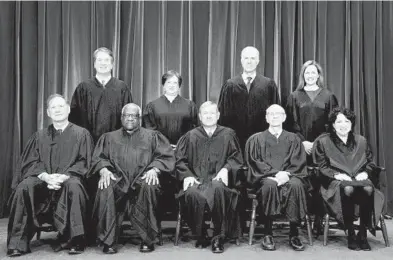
{"points": [[105, 79], [252, 75], [275, 132], [210, 129], [64, 127]]}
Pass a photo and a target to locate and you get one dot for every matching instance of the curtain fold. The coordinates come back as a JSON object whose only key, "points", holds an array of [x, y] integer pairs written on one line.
{"points": [[49, 45]]}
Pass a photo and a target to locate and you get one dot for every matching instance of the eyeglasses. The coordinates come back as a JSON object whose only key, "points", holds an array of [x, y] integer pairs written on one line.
{"points": [[275, 113], [132, 116]]}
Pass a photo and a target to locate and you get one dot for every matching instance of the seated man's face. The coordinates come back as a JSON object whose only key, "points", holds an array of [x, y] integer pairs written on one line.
{"points": [[209, 115], [130, 118], [58, 109], [275, 116]]}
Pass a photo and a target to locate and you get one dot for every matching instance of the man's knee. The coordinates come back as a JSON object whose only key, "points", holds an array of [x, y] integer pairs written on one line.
{"points": [[218, 185], [149, 189], [27, 184], [268, 185], [348, 191], [295, 183], [368, 190]]}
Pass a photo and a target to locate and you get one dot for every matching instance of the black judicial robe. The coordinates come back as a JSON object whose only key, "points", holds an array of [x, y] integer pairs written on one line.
{"points": [[173, 120], [245, 111], [128, 156], [331, 155], [266, 156], [68, 153], [202, 157], [98, 108], [306, 117]]}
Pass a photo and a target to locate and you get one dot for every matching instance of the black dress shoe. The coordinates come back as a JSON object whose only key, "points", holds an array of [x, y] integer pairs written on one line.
{"points": [[352, 243], [296, 243], [109, 250], [76, 250], [363, 243], [14, 252], [202, 243], [145, 248], [218, 246], [268, 243]]}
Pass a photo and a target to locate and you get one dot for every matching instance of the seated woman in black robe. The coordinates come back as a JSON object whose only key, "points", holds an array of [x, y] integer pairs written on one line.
{"points": [[308, 109], [171, 114], [346, 166]]}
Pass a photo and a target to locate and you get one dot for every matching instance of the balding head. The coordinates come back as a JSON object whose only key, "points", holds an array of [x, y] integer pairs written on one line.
{"points": [[249, 59], [275, 115], [250, 50]]}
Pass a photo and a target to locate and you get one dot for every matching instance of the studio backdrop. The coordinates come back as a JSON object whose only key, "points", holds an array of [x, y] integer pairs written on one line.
{"points": [[46, 48]]}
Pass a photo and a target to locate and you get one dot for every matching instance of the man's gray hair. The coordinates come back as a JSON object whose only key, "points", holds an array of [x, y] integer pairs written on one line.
{"points": [[49, 99], [132, 105], [249, 48], [208, 104]]}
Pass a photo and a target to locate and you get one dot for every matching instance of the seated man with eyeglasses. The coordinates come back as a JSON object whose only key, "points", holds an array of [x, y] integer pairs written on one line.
{"points": [[276, 163], [128, 163]]}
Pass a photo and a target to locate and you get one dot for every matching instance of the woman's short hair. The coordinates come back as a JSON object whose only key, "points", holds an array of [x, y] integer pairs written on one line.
{"points": [[349, 114], [320, 81], [103, 49], [170, 74]]}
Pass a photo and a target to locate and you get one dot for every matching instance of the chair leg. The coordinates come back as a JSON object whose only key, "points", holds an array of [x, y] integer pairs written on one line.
{"points": [[252, 223], [160, 241], [178, 226], [384, 231], [326, 229], [308, 223]]}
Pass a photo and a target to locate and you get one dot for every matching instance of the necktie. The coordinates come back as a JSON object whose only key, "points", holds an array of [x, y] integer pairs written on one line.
{"points": [[248, 85], [103, 82]]}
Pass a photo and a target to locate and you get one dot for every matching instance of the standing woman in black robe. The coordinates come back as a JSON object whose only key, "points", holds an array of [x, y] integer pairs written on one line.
{"points": [[308, 109], [171, 114]]}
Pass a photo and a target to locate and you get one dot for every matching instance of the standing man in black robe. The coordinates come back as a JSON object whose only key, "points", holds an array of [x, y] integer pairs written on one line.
{"points": [[49, 183], [277, 165], [129, 162], [243, 99], [96, 103], [208, 161]]}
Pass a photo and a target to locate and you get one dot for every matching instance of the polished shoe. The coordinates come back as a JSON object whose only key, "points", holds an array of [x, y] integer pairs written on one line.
{"points": [[110, 250], [145, 248], [296, 243], [76, 250], [268, 243], [14, 252], [363, 243], [202, 243], [352, 243], [217, 246]]}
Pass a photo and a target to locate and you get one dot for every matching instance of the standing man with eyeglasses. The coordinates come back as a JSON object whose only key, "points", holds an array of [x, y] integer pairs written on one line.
{"points": [[97, 102], [244, 98], [129, 163]]}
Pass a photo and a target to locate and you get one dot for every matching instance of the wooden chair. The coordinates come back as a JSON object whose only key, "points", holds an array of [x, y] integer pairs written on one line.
{"points": [[382, 227]]}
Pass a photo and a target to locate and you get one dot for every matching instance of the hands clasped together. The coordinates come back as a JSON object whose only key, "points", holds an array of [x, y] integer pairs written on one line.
{"points": [[54, 180]]}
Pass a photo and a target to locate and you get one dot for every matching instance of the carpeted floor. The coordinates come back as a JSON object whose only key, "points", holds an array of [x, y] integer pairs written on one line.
{"points": [[335, 250]]}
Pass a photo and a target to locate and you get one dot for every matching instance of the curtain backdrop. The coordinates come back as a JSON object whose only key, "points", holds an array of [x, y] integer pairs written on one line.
{"points": [[46, 47]]}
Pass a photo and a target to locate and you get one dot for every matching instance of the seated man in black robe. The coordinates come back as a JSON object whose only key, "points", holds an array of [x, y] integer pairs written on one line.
{"points": [[128, 162], [49, 183], [277, 164], [208, 160]]}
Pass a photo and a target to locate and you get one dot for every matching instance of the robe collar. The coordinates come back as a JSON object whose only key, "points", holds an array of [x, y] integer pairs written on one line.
{"points": [[132, 132]]}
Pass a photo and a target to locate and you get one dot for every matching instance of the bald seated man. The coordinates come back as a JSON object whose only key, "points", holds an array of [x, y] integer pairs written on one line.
{"points": [[128, 163], [277, 166]]}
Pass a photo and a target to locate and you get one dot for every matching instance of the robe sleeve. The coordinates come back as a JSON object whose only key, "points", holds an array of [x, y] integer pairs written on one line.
{"points": [[293, 117], [298, 159], [182, 164], [234, 161], [30, 163], [370, 166], [148, 119], [320, 159], [77, 112], [163, 154], [83, 162], [224, 105], [101, 157], [257, 167], [275, 96], [126, 96]]}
